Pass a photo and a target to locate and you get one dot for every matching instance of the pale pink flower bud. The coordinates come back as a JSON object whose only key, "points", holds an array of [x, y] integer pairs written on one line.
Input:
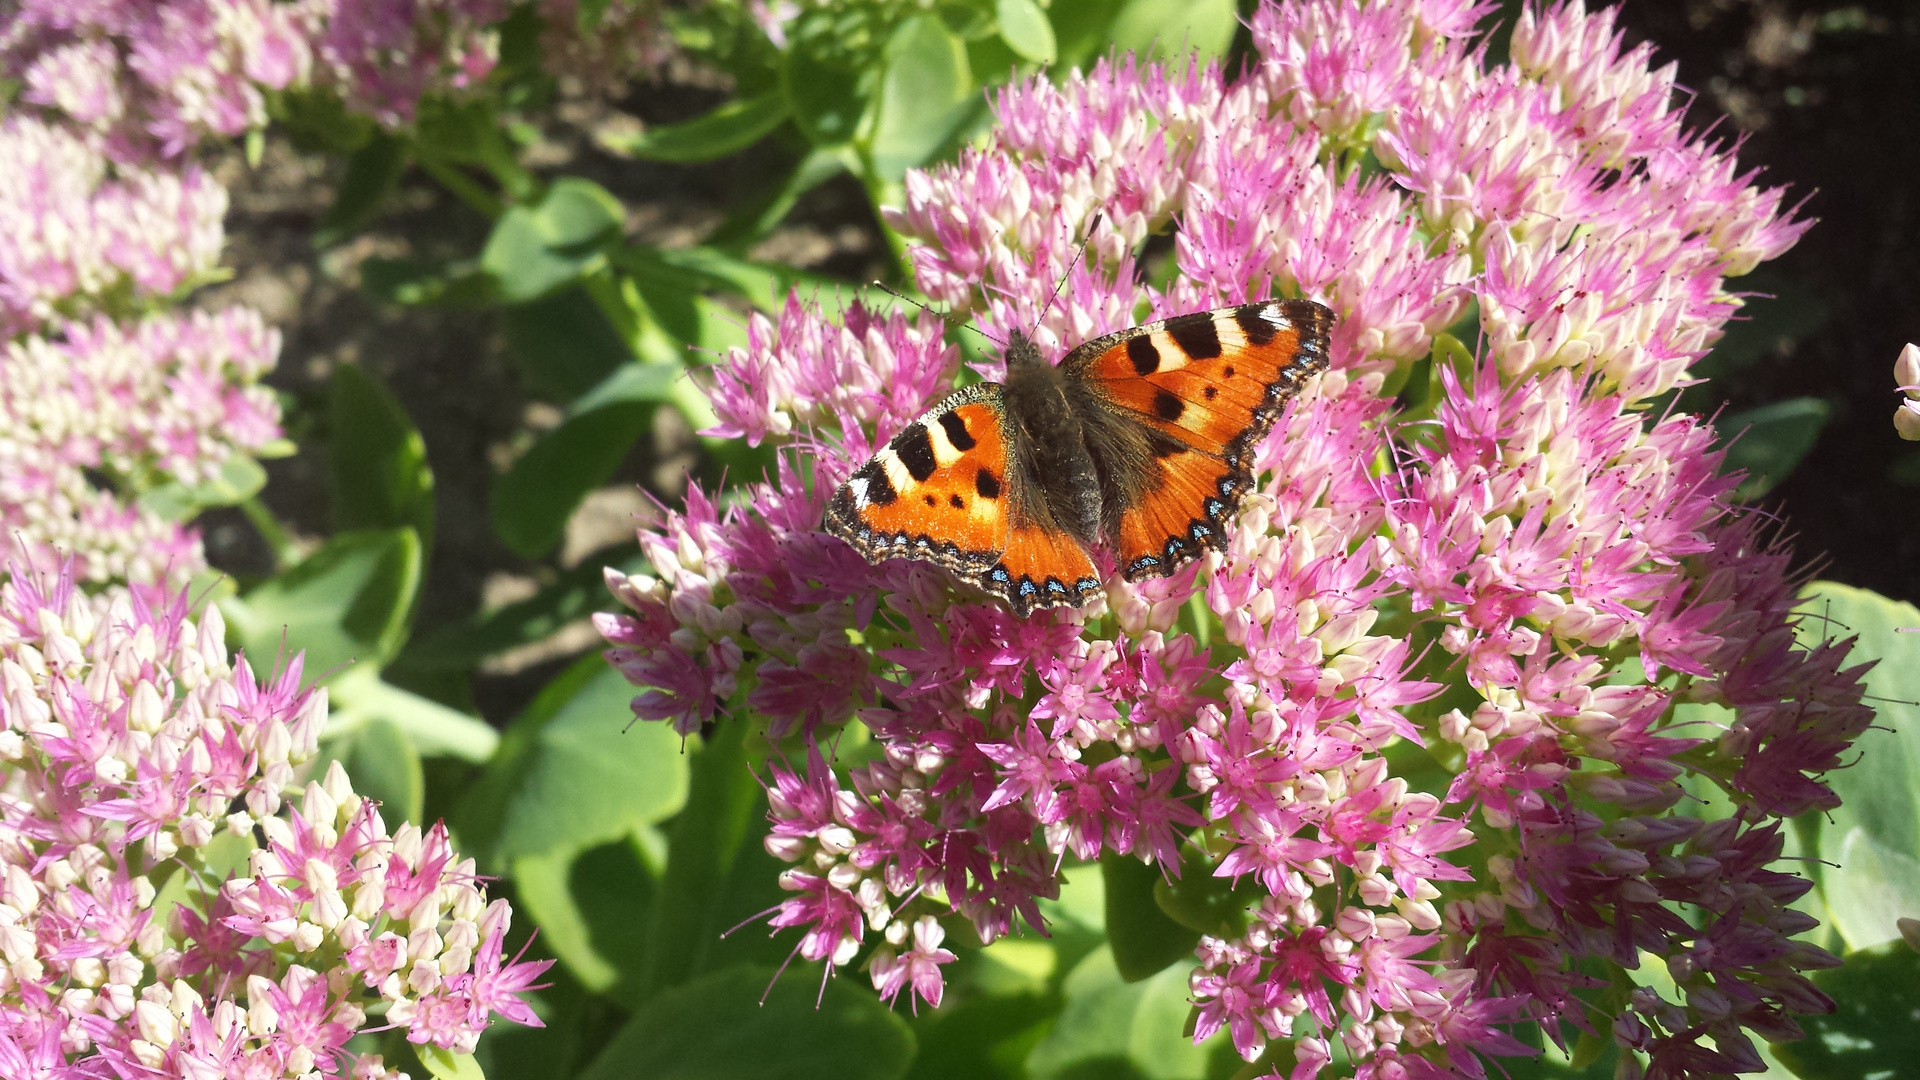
{"points": [[1906, 419], [424, 977], [308, 936], [1906, 370]]}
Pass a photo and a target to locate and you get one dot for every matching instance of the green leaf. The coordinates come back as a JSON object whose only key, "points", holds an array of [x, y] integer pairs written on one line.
{"points": [[753, 218], [595, 774], [346, 602], [923, 94], [378, 462], [1169, 29], [414, 282], [447, 1065], [562, 344], [240, 479], [575, 595], [1770, 440], [726, 130], [822, 88], [1144, 939], [361, 696], [1874, 835], [372, 173], [982, 1037], [533, 498], [1026, 30], [585, 904], [631, 384], [704, 846], [221, 858], [1874, 1031], [319, 120], [718, 1028], [380, 759], [1200, 901], [535, 249], [482, 813], [1109, 1023], [1080, 29]]}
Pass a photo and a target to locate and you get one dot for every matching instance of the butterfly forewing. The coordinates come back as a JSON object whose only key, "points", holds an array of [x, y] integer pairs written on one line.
{"points": [[1209, 386], [937, 491]]}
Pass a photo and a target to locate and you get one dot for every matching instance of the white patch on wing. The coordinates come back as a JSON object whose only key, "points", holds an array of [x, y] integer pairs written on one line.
{"points": [[897, 473], [1231, 337], [858, 485], [1271, 313], [1172, 356], [944, 452]]}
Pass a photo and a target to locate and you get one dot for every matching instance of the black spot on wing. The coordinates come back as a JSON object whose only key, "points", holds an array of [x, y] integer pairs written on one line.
{"points": [[1195, 334], [1258, 329], [915, 448], [1146, 358], [1167, 407], [985, 483], [879, 489], [957, 502], [931, 501], [956, 430]]}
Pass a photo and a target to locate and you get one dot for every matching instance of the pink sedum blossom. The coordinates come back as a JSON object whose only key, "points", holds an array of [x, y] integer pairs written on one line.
{"points": [[137, 762], [78, 235], [1434, 708], [170, 398], [154, 78]]}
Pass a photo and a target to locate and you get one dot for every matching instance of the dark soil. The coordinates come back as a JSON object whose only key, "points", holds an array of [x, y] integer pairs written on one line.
{"points": [[1826, 96]]}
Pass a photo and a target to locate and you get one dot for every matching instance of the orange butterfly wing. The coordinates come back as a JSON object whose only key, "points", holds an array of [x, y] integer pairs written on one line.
{"points": [[1208, 386], [944, 491]]}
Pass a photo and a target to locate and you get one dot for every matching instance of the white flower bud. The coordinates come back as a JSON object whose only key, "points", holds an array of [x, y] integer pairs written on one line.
{"points": [[157, 1023]]}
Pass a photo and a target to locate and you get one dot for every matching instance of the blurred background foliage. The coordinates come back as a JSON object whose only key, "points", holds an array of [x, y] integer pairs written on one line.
{"points": [[490, 316]]}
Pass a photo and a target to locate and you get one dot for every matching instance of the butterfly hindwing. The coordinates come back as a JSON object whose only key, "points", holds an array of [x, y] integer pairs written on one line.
{"points": [[1042, 567], [1207, 387], [938, 491]]}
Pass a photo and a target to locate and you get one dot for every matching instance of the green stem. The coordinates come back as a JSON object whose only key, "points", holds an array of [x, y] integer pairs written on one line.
{"points": [[279, 540], [705, 839], [463, 187]]}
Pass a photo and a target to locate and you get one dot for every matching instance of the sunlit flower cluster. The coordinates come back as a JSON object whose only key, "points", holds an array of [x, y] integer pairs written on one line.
{"points": [[77, 235], [170, 398], [155, 78], [173, 902], [1433, 727]]}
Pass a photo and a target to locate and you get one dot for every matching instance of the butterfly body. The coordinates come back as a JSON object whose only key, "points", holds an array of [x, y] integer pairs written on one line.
{"points": [[1139, 443]]}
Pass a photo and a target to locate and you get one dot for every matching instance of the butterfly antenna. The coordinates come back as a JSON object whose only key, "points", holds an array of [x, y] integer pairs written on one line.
{"points": [[1092, 224], [941, 315]]}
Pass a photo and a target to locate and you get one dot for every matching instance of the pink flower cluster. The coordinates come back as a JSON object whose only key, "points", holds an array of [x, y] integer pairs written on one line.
{"points": [[104, 395], [135, 759], [172, 397], [155, 78], [1433, 706], [76, 235]]}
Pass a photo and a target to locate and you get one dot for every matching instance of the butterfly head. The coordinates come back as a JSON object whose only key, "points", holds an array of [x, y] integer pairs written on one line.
{"points": [[1022, 352]]}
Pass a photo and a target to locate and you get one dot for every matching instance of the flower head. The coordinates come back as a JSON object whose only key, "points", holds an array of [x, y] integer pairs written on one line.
{"points": [[133, 748], [1427, 708]]}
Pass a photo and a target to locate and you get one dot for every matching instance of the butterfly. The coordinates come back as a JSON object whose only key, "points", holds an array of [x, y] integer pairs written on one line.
{"points": [[1140, 443]]}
